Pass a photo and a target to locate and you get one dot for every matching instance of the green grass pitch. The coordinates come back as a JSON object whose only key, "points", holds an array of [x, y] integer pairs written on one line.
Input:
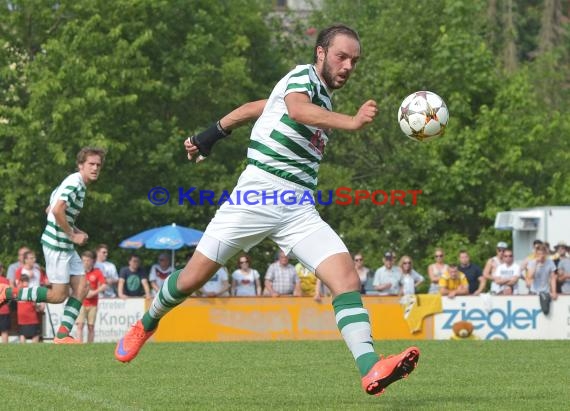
{"points": [[295, 375]]}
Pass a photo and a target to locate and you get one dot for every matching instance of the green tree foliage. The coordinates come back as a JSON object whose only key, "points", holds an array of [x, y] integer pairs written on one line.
{"points": [[503, 149], [137, 77]]}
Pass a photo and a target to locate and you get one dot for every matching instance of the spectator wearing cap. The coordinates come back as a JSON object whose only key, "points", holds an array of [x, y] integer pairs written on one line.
{"points": [[493, 262], [436, 270], [563, 267], [473, 272], [453, 282], [387, 279]]}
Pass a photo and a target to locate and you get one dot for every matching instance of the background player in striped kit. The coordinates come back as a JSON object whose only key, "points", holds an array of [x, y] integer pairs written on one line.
{"points": [[64, 267]]}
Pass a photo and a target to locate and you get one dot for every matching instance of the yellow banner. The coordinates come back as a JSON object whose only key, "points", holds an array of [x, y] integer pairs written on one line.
{"points": [[283, 318]]}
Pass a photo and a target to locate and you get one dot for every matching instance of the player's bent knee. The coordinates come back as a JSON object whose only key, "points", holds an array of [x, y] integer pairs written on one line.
{"points": [[350, 283]]}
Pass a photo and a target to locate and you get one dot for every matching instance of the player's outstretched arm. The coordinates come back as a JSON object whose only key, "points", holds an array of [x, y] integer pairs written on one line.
{"points": [[202, 143], [243, 114], [303, 111]]}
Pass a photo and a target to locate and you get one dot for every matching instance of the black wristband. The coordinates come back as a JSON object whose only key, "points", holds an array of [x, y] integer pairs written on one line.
{"points": [[207, 138], [223, 130]]}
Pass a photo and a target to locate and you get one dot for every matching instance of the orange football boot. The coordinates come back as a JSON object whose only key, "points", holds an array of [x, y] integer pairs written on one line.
{"points": [[129, 346], [390, 369], [68, 339]]}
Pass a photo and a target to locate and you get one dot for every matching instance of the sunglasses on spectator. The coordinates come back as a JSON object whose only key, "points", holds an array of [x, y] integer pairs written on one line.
{"points": [[439, 256], [243, 261]]}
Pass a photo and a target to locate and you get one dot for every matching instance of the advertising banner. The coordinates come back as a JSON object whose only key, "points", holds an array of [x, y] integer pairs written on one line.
{"points": [[114, 317], [505, 317]]}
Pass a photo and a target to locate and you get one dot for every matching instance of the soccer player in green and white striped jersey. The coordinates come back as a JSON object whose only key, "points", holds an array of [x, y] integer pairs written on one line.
{"points": [[286, 147], [64, 267]]}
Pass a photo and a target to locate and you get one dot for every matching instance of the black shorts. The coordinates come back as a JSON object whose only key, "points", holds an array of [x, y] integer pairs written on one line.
{"points": [[5, 323], [29, 330]]}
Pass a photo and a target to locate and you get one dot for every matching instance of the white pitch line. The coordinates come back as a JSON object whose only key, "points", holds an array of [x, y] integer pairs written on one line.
{"points": [[58, 388]]}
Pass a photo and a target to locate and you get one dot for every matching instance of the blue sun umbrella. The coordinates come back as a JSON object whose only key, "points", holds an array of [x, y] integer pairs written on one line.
{"points": [[169, 237]]}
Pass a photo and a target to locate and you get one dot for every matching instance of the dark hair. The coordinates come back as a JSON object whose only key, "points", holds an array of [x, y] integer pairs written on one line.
{"points": [[326, 36], [463, 251], [537, 242], [90, 151]]}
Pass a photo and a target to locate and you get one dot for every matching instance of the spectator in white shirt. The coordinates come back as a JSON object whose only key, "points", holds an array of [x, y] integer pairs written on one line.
{"points": [[387, 278], [410, 277], [506, 275], [245, 280], [218, 285], [159, 272], [109, 271]]}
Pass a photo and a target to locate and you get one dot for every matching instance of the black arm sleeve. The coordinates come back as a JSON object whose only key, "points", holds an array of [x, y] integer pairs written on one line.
{"points": [[207, 138]]}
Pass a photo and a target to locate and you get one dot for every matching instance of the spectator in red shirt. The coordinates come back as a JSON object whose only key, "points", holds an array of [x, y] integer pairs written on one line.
{"points": [[96, 284], [5, 324], [29, 320]]}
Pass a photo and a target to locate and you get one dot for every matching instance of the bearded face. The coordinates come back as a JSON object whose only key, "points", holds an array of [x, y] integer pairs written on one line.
{"points": [[338, 61]]}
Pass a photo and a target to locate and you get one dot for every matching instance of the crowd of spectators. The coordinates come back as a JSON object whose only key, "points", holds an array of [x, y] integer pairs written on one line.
{"points": [[541, 271]]}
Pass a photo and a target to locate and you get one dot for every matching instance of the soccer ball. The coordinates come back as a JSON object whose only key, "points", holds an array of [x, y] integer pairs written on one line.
{"points": [[423, 116]]}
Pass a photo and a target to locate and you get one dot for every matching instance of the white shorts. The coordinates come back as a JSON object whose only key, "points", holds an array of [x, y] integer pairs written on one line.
{"points": [[62, 264], [238, 227]]}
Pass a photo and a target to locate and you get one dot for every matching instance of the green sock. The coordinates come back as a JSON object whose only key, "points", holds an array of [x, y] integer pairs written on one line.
{"points": [[167, 298], [354, 324], [70, 313], [37, 294]]}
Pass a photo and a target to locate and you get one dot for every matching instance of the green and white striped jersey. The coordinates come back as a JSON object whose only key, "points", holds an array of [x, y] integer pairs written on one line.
{"points": [[283, 147], [72, 191]]}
